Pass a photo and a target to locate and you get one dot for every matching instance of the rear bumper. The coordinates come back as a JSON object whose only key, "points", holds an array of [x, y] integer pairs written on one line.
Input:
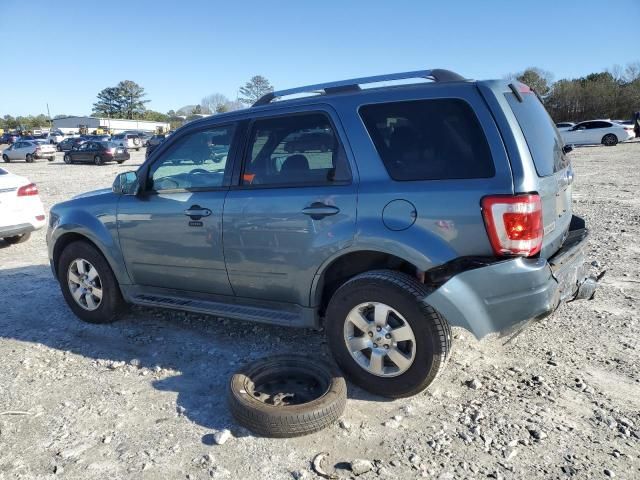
{"points": [[499, 296], [15, 230]]}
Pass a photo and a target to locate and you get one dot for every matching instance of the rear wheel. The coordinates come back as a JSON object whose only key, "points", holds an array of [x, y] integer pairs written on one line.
{"points": [[29, 158], [609, 140], [6, 158], [98, 160], [18, 238], [383, 335], [88, 284]]}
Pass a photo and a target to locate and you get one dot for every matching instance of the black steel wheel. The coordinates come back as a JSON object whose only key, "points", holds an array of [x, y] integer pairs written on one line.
{"points": [[287, 395]]}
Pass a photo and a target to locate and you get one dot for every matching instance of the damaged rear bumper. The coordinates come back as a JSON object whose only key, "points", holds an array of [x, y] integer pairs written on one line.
{"points": [[499, 296]]}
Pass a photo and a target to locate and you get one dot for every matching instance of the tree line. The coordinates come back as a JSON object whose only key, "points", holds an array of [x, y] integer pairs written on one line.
{"points": [[613, 93], [128, 100]]}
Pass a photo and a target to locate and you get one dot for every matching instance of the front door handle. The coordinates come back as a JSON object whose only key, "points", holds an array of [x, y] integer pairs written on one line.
{"points": [[319, 210], [196, 212]]}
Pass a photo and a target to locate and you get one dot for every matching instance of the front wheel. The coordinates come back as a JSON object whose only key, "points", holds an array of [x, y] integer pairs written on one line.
{"points": [[88, 285], [98, 160], [609, 140], [6, 158], [29, 158], [384, 337]]}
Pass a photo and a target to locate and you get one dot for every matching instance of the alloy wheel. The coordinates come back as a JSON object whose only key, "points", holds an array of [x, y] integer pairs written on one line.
{"points": [[380, 339], [84, 284]]}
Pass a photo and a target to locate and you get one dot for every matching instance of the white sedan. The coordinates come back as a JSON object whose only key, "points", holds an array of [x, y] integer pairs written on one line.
{"points": [[594, 132], [29, 150], [21, 210]]}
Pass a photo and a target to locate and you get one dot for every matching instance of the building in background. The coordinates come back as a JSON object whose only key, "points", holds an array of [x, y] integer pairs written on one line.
{"points": [[102, 125]]}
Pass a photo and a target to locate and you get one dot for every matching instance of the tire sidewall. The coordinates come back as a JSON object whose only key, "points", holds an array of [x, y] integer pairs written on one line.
{"points": [[67, 158], [428, 351], [111, 296]]}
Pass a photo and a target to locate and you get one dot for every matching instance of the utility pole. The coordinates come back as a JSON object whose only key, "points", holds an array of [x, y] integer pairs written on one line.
{"points": [[49, 115]]}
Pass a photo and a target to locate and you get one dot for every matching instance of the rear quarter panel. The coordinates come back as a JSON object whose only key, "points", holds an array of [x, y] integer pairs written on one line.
{"points": [[448, 219]]}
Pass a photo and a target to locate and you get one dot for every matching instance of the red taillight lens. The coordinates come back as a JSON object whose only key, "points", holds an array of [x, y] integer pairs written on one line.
{"points": [[27, 190], [40, 217], [514, 224]]}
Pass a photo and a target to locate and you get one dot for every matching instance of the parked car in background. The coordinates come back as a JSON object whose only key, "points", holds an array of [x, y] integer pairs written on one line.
{"points": [[29, 150], [68, 143], [145, 137], [156, 139], [97, 152], [127, 140], [55, 137], [97, 138], [8, 138], [379, 239], [564, 125], [594, 132], [21, 212]]}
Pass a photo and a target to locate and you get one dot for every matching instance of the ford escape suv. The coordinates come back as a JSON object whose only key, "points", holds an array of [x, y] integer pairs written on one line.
{"points": [[386, 214]]}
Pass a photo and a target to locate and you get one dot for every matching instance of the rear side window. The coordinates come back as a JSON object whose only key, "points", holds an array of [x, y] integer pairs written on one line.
{"points": [[543, 139], [429, 139], [295, 150]]}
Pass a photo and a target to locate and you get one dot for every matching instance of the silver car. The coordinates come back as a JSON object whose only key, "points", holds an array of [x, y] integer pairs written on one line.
{"points": [[29, 150]]}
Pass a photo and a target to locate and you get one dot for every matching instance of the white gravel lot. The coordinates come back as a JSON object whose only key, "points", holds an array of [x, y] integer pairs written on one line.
{"points": [[142, 398]]}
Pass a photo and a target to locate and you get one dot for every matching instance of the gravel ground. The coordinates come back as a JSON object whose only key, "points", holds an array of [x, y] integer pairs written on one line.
{"points": [[143, 398]]}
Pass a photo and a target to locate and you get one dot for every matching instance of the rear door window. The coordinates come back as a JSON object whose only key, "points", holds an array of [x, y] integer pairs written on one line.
{"points": [[437, 139], [543, 139], [295, 150]]}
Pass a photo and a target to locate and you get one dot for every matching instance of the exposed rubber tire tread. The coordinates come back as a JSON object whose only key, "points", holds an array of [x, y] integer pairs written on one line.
{"points": [[287, 421], [112, 302], [437, 331]]}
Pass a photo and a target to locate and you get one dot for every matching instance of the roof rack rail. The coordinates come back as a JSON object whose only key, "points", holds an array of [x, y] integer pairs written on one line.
{"points": [[437, 75]]}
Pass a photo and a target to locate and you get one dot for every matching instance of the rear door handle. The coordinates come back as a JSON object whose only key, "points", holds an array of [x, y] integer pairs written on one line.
{"points": [[196, 212], [318, 210]]}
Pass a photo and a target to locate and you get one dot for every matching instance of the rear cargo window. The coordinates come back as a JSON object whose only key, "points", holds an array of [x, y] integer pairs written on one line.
{"points": [[543, 139], [429, 139]]}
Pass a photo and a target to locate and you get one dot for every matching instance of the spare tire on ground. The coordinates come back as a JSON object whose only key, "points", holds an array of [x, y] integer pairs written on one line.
{"points": [[287, 396]]}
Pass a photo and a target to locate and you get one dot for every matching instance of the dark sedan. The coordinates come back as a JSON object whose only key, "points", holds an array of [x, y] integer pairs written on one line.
{"points": [[68, 143], [97, 152]]}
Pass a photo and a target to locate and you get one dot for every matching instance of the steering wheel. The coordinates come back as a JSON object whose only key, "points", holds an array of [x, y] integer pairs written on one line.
{"points": [[198, 170]]}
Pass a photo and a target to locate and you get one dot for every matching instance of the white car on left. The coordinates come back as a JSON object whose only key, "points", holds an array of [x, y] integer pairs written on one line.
{"points": [[29, 150], [21, 211]]}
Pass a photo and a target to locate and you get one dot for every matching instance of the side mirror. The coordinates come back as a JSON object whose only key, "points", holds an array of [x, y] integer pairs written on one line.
{"points": [[126, 183], [567, 148]]}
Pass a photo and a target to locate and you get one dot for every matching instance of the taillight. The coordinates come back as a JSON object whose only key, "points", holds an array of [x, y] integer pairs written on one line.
{"points": [[514, 224], [27, 190]]}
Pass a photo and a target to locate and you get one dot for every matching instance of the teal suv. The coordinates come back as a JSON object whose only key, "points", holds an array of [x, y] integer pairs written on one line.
{"points": [[385, 214]]}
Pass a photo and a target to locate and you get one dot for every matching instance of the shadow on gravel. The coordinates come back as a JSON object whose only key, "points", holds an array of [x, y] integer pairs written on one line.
{"points": [[201, 352]]}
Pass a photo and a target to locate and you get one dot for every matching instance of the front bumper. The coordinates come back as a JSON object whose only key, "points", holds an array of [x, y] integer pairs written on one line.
{"points": [[499, 296]]}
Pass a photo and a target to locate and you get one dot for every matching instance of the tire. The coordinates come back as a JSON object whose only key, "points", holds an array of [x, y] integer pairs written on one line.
{"points": [[609, 140], [98, 160], [111, 304], [29, 158], [58, 148], [286, 420], [138, 149], [67, 159], [6, 158], [51, 159], [18, 238], [402, 298], [120, 162]]}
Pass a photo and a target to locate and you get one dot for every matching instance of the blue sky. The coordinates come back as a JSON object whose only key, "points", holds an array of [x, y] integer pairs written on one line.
{"points": [[65, 52]]}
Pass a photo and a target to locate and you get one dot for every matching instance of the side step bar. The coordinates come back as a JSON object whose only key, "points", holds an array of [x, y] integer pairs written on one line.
{"points": [[240, 312]]}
